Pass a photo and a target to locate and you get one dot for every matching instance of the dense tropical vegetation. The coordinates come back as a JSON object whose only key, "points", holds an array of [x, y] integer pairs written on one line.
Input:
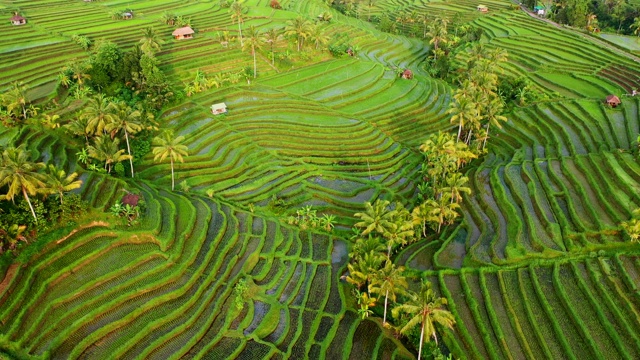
{"points": [[392, 179]]}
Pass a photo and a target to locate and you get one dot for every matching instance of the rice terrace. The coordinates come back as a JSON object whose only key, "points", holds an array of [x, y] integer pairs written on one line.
{"points": [[319, 179]]}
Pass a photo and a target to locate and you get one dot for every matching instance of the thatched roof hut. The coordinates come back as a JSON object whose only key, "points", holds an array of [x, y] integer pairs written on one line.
{"points": [[183, 33], [613, 100]]}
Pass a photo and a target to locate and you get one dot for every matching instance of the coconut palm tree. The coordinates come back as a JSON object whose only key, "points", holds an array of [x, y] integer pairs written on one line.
{"points": [[438, 33], [150, 42], [389, 281], [20, 175], [168, 18], [58, 182], [15, 99], [126, 120], [636, 26], [318, 36], [362, 272], [421, 215], [79, 127], [237, 11], [98, 114], [79, 72], [254, 42], [456, 186], [493, 115], [107, 150], [377, 217], [169, 146], [298, 28], [364, 246], [272, 36], [426, 310], [462, 111]]}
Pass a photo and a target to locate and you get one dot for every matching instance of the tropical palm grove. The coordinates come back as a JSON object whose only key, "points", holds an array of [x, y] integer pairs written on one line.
{"points": [[319, 179]]}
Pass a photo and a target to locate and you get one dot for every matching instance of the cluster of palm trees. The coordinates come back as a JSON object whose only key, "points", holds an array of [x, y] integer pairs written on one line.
{"points": [[307, 218], [102, 122], [477, 105], [172, 19], [632, 226], [15, 104], [372, 269], [443, 184], [19, 175]]}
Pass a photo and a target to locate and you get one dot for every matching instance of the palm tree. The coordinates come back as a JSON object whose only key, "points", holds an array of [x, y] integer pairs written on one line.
{"points": [[126, 120], [426, 309], [168, 18], [20, 174], [107, 150], [98, 114], [364, 246], [254, 41], [16, 99], [167, 145], [150, 41], [423, 214], [237, 11], [456, 186], [58, 182], [272, 36], [636, 26], [364, 269], [377, 217], [317, 36], [438, 34], [299, 28], [79, 127], [443, 211], [388, 281], [493, 115], [79, 72], [462, 111]]}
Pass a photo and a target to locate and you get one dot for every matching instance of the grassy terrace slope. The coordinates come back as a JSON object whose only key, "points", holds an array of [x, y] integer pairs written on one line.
{"points": [[165, 291], [537, 268]]}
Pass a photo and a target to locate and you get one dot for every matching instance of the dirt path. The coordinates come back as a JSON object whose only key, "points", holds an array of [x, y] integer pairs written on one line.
{"points": [[584, 36], [11, 272]]}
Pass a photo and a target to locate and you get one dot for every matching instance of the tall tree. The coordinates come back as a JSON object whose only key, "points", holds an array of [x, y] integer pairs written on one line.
{"points": [[426, 310], [58, 182], [15, 100], [107, 150], [20, 175], [437, 31], [254, 42], [237, 11], [271, 37], [298, 28], [98, 114], [150, 42], [169, 146], [389, 281], [317, 36], [125, 120], [376, 217]]}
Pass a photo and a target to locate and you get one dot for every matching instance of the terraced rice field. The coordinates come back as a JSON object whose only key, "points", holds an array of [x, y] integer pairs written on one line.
{"points": [[537, 268]]}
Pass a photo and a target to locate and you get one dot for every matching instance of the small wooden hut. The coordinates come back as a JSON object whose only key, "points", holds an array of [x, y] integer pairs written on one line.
{"points": [[613, 100], [127, 15], [183, 33], [407, 74], [18, 20], [217, 109], [130, 199], [482, 8]]}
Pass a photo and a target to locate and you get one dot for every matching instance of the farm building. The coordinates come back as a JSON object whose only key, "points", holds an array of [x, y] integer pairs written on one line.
{"points": [[407, 74], [612, 100], [127, 15], [218, 109], [18, 20], [183, 33], [130, 199], [539, 10], [482, 8]]}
